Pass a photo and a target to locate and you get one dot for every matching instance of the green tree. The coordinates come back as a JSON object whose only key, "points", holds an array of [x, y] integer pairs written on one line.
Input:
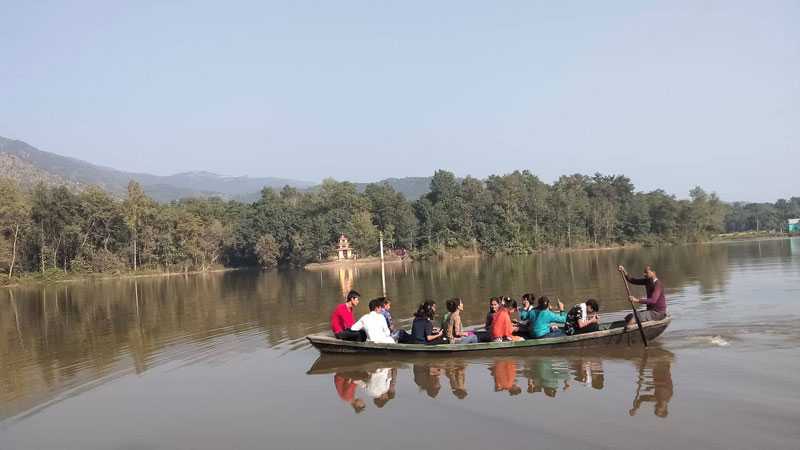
{"points": [[569, 203], [267, 250], [55, 213], [135, 207], [364, 235], [705, 214], [392, 214], [14, 215], [443, 212]]}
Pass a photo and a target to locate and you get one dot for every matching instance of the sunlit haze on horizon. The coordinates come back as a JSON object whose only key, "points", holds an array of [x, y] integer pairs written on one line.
{"points": [[671, 94]]}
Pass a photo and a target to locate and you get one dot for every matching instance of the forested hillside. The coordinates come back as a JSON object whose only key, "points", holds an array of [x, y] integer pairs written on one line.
{"points": [[28, 166]]}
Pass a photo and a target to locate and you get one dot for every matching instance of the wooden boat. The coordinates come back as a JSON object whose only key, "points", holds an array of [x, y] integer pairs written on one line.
{"points": [[609, 334]]}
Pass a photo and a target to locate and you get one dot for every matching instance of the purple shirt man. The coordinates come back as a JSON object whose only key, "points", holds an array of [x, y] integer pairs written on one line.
{"points": [[656, 301]]}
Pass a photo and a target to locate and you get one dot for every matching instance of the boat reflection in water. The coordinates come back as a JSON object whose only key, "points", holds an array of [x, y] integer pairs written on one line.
{"points": [[361, 378]]}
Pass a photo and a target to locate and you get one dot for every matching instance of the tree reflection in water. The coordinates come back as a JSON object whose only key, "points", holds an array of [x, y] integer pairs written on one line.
{"points": [[377, 379]]}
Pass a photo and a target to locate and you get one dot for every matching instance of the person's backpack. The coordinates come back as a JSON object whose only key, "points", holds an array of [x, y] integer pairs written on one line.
{"points": [[404, 337], [571, 325]]}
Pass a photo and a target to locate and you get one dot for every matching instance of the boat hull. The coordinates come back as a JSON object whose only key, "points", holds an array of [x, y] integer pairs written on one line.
{"points": [[614, 335]]}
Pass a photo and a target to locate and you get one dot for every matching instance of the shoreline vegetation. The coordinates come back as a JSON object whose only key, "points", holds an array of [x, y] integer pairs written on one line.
{"points": [[451, 254], [55, 234], [60, 277]]}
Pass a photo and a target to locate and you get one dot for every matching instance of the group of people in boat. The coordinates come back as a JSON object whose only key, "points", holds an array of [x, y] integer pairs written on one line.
{"points": [[507, 320]]}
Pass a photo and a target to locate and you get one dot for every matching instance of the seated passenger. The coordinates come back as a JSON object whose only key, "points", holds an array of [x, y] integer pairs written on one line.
{"points": [[452, 328], [511, 305], [387, 314], [399, 335], [342, 319], [445, 318], [374, 324], [422, 331], [494, 305], [527, 314], [544, 318], [582, 318], [502, 328]]}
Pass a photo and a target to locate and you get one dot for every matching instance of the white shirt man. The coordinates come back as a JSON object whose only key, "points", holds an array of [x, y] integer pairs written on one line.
{"points": [[374, 324], [379, 383]]}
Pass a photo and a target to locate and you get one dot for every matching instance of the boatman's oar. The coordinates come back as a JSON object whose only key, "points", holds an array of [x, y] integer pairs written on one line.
{"points": [[635, 313]]}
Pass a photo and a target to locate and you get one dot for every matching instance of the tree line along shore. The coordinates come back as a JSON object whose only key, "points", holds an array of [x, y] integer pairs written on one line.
{"points": [[52, 232]]}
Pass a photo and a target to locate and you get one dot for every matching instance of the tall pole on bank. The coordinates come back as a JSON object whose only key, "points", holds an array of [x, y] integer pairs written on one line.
{"points": [[383, 268]]}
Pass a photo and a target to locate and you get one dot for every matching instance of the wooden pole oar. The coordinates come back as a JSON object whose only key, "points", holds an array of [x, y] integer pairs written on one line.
{"points": [[383, 268], [635, 313]]}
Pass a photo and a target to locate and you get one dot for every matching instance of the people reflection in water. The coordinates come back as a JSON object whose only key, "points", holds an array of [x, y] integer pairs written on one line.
{"points": [[505, 376], [427, 378], [547, 375], [380, 384], [384, 387], [456, 374], [656, 388], [588, 372], [346, 388]]}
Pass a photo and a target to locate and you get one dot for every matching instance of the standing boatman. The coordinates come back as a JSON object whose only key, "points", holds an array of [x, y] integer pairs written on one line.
{"points": [[655, 300]]}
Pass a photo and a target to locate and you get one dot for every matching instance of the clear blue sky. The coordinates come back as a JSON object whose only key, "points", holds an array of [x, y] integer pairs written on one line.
{"points": [[672, 94]]}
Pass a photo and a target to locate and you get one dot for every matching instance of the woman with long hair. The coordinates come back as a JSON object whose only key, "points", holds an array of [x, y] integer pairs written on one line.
{"points": [[502, 327], [452, 329], [542, 326], [422, 331]]}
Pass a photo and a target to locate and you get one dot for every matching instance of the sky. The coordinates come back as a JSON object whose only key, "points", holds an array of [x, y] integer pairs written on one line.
{"points": [[671, 94]]}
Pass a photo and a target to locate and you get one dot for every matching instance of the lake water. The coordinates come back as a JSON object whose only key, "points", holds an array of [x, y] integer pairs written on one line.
{"points": [[219, 361]]}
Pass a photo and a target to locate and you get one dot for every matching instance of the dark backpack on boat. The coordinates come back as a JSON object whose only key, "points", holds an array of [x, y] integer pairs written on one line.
{"points": [[404, 337], [571, 324]]}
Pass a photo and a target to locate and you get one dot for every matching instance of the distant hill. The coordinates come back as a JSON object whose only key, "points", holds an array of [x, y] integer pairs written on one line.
{"points": [[29, 165]]}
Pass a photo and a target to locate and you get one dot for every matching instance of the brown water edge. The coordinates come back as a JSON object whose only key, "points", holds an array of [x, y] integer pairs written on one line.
{"points": [[219, 361]]}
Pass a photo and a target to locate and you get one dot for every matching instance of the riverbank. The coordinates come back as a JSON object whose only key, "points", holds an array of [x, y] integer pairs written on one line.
{"points": [[749, 236], [56, 277], [444, 254], [368, 261], [460, 252]]}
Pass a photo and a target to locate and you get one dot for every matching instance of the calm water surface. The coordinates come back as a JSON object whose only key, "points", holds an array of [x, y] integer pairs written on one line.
{"points": [[220, 360]]}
